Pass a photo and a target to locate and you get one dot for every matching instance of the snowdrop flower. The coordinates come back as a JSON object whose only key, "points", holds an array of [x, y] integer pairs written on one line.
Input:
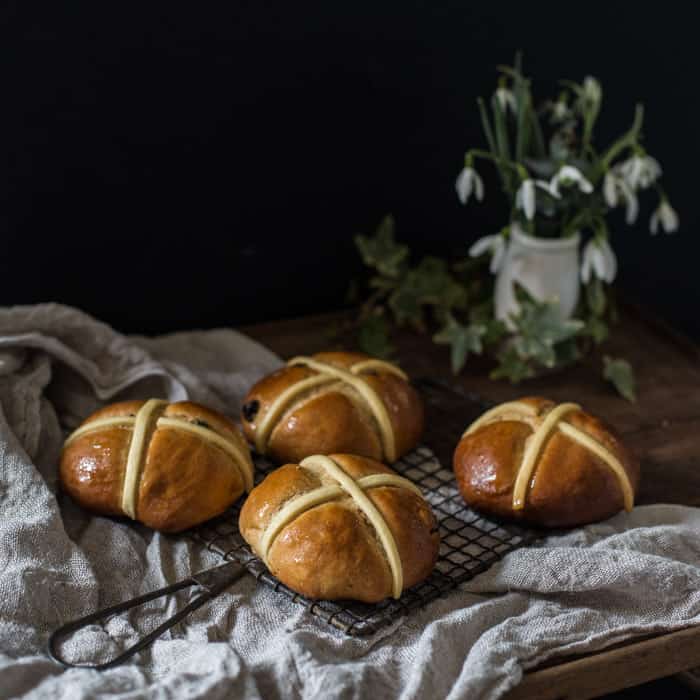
{"points": [[592, 92], [506, 99], [599, 259], [640, 171], [616, 190], [569, 175], [525, 197], [665, 215], [468, 181], [496, 245], [560, 111]]}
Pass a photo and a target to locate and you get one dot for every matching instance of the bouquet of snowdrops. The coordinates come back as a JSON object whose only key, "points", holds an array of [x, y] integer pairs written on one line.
{"points": [[564, 186], [558, 184]]}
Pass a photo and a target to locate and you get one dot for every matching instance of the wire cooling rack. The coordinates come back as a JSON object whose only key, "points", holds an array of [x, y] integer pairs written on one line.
{"points": [[470, 543]]}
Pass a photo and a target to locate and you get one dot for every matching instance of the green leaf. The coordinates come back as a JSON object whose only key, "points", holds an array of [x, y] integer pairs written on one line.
{"points": [[522, 93], [462, 339], [381, 250], [539, 328], [540, 150], [406, 305], [511, 366], [428, 284], [495, 331], [620, 373], [541, 320], [567, 352], [502, 142], [374, 337]]}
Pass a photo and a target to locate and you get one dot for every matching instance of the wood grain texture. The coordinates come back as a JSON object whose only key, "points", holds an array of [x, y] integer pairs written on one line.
{"points": [[662, 428], [613, 669]]}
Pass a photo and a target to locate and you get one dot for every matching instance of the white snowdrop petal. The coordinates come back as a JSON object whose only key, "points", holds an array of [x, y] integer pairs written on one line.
{"points": [[463, 185], [610, 262], [481, 246], [499, 251], [654, 223], [669, 218], [478, 187], [585, 186], [598, 262], [610, 189], [632, 210]]}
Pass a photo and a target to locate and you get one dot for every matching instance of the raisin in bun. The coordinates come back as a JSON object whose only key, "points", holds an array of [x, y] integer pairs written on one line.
{"points": [[169, 466], [341, 526], [547, 464], [333, 402]]}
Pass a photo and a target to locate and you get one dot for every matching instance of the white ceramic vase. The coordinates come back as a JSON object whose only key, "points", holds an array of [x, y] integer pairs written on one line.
{"points": [[548, 268]]}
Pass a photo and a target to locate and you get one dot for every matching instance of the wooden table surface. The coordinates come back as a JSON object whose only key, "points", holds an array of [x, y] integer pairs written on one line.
{"points": [[663, 428]]}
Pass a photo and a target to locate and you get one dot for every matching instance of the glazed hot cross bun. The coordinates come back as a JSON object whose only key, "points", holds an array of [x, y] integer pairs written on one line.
{"points": [[169, 466], [548, 464], [341, 526], [333, 402]]}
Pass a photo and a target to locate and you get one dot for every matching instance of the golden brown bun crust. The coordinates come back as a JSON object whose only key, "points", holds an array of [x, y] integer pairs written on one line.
{"points": [[331, 551], [570, 485], [185, 479], [333, 418]]}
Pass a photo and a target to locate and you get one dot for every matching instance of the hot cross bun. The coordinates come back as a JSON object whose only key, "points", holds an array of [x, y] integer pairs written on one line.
{"points": [[341, 526], [169, 466], [548, 464], [333, 402]]}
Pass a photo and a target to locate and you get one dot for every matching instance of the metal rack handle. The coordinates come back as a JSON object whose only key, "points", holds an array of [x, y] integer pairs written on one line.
{"points": [[214, 581]]}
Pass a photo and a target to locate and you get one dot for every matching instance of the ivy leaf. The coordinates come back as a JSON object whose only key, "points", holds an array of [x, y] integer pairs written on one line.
{"points": [[374, 337], [405, 304], [433, 284], [495, 330], [567, 352], [539, 327], [511, 366], [620, 373], [462, 339], [428, 284], [381, 250]]}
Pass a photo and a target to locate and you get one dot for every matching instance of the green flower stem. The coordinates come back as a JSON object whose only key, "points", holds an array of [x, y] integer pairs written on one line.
{"points": [[502, 165], [575, 223], [500, 162], [628, 140]]}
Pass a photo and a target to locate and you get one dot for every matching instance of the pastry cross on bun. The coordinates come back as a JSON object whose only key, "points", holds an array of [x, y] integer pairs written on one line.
{"points": [[546, 463], [170, 466], [341, 526], [334, 402]]}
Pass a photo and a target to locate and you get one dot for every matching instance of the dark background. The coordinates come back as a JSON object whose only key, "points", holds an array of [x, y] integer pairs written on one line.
{"points": [[177, 165]]}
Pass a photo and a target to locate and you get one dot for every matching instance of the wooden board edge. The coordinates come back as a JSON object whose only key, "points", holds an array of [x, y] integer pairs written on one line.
{"points": [[615, 669]]}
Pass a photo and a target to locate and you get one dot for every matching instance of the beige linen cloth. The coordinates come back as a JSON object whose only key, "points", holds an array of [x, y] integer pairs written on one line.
{"points": [[635, 574]]}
